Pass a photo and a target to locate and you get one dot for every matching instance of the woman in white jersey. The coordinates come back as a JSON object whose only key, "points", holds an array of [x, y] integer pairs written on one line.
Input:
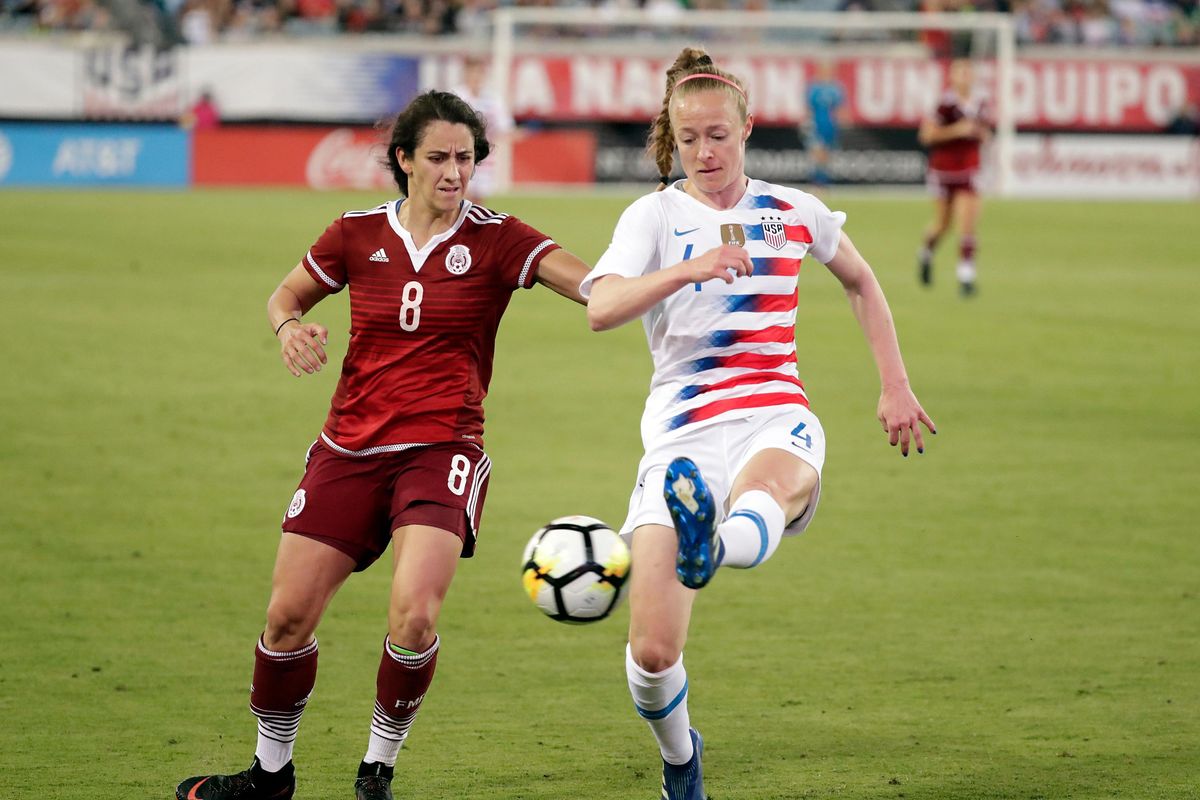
{"points": [[733, 454]]}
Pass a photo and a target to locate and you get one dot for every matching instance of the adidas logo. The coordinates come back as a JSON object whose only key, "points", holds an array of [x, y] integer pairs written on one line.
{"points": [[379, 255]]}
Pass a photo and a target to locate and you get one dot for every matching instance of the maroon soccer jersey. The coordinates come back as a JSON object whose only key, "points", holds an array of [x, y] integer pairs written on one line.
{"points": [[422, 322], [957, 155]]}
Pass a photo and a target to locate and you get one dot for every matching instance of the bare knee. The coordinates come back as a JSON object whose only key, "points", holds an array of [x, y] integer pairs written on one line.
{"points": [[654, 656], [414, 627], [290, 626]]}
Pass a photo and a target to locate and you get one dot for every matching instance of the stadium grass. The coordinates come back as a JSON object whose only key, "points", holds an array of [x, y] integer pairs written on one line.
{"points": [[1014, 614]]}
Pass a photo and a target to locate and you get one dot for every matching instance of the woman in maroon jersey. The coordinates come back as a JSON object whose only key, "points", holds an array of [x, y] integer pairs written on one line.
{"points": [[400, 459], [953, 135]]}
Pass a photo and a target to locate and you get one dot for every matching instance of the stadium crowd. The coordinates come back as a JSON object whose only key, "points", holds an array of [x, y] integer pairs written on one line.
{"points": [[1094, 23]]}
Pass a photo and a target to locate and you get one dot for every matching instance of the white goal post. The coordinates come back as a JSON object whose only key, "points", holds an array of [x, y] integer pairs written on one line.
{"points": [[726, 34]]}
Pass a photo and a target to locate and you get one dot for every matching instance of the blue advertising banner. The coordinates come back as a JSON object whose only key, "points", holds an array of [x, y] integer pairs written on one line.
{"points": [[93, 155]]}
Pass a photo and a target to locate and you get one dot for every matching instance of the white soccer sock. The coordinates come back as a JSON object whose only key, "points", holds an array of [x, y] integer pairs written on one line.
{"points": [[382, 751], [273, 755], [752, 530], [661, 700]]}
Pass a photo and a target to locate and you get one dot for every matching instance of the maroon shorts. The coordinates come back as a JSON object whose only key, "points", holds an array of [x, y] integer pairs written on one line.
{"points": [[354, 504], [945, 185]]}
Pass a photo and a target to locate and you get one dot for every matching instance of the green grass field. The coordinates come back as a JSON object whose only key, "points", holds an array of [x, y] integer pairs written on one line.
{"points": [[1015, 614]]}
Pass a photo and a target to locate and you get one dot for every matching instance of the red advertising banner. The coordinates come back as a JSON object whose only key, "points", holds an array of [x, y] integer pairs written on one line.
{"points": [[1075, 94], [322, 158], [351, 158]]}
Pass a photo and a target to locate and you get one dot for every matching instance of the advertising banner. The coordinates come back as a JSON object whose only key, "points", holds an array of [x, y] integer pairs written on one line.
{"points": [[38, 79], [131, 83], [339, 81], [1108, 167], [353, 158], [321, 158], [303, 81], [1076, 94], [92, 155]]}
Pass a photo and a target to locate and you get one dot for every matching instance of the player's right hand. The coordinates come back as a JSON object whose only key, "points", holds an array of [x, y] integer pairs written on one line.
{"points": [[301, 347], [726, 262]]}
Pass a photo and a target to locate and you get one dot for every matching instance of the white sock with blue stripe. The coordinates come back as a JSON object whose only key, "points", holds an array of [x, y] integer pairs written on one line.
{"points": [[661, 699], [752, 530]]}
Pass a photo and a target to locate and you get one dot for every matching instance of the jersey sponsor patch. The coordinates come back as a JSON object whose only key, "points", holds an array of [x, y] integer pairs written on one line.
{"points": [[458, 260]]}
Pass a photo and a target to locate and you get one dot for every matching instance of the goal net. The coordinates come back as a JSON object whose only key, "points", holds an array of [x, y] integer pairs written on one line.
{"points": [[603, 71]]}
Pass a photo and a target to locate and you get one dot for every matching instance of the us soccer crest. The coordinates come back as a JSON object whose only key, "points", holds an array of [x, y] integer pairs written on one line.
{"points": [[774, 235], [458, 260]]}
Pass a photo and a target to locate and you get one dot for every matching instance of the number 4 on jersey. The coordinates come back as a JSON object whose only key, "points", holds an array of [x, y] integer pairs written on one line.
{"points": [[802, 437]]}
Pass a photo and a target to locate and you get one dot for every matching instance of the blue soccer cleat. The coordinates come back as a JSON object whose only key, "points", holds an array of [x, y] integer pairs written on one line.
{"points": [[686, 781], [695, 516]]}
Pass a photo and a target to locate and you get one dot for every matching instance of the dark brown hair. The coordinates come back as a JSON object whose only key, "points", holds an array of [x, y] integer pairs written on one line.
{"points": [[660, 144], [408, 128]]}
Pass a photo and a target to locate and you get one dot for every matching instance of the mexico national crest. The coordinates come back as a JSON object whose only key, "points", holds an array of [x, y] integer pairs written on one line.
{"points": [[458, 260], [774, 235]]}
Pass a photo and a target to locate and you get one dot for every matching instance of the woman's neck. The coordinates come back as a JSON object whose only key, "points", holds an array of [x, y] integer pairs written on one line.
{"points": [[724, 199], [424, 223]]}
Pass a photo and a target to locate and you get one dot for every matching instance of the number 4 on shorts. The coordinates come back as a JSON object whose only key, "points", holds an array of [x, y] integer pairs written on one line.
{"points": [[803, 437]]}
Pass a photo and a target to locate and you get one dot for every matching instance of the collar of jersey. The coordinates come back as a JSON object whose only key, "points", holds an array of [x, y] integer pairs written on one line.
{"points": [[418, 256]]}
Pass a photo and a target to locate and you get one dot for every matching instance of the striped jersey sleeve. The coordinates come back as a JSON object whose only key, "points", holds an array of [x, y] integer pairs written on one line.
{"points": [[325, 260]]}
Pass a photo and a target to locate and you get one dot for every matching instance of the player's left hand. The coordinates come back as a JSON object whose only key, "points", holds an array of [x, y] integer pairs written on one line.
{"points": [[899, 412]]}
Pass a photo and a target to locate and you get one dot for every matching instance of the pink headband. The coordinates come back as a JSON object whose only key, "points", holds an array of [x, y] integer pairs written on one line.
{"points": [[711, 76]]}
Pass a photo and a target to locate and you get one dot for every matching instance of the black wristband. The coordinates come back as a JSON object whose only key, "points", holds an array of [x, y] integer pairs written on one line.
{"points": [[285, 322]]}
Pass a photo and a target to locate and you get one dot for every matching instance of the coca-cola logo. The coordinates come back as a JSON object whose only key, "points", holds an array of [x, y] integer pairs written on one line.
{"points": [[346, 160]]}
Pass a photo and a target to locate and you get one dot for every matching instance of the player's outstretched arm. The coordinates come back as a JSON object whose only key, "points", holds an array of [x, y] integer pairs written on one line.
{"points": [[899, 411], [616, 299], [301, 344], [932, 132], [563, 272]]}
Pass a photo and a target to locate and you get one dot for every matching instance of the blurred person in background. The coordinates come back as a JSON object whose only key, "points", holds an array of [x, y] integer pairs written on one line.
{"points": [[825, 101], [953, 134], [481, 94], [203, 114], [733, 454], [198, 22], [400, 459], [1185, 121]]}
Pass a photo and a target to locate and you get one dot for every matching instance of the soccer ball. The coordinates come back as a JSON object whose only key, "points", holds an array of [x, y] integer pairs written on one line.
{"points": [[576, 569]]}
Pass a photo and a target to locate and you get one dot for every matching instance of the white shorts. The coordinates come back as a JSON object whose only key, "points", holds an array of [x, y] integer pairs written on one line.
{"points": [[721, 450]]}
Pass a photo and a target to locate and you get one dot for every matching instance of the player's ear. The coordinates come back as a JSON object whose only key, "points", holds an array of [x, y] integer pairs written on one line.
{"points": [[405, 163], [749, 127]]}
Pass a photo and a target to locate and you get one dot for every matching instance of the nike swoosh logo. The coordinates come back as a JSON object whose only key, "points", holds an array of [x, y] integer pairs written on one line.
{"points": [[685, 233], [192, 793]]}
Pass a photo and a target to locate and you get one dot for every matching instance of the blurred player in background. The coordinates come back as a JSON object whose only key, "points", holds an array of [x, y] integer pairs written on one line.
{"points": [[400, 459], [825, 100], [954, 134], [710, 264], [481, 94]]}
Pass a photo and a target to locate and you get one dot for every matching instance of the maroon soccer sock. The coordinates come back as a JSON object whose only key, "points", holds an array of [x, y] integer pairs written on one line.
{"points": [[966, 248], [404, 677], [283, 682]]}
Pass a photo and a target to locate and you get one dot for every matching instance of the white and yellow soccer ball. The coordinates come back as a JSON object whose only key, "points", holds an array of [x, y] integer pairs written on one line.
{"points": [[576, 569]]}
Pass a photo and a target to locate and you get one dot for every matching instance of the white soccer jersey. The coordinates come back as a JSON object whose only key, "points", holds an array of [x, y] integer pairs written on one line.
{"points": [[721, 350]]}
